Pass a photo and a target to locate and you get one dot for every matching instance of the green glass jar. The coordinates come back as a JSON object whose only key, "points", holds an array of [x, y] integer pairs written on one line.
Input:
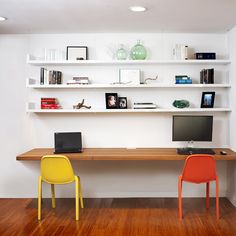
{"points": [[138, 52], [121, 53]]}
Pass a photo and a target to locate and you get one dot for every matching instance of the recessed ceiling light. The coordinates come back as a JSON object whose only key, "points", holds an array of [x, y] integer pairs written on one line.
{"points": [[2, 18], [137, 8]]}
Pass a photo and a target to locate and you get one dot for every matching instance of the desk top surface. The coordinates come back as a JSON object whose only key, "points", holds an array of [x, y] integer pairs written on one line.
{"points": [[112, 154]]}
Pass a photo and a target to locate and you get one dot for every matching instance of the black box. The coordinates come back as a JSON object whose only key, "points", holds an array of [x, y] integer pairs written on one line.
{"points": [[205, 55]]}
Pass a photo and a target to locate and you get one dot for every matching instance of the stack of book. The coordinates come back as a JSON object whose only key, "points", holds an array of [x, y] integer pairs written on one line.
{"points": [[50, 103], [78, 80], [207, 76], [50, 76], [145, 105], [182, 79]]}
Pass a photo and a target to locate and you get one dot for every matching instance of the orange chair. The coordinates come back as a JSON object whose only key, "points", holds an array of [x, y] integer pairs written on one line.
{"points": [[199, 168]]}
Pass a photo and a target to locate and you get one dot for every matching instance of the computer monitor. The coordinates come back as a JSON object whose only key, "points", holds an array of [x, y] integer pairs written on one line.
{"points": [[192, 128]]}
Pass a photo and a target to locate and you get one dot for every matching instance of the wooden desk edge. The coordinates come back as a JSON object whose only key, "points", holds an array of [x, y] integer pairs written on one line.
{"points": [[119, 154]]}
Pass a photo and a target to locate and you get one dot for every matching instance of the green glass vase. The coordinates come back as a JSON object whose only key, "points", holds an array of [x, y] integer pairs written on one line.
{"points": [[121, 53], [138, 52]]}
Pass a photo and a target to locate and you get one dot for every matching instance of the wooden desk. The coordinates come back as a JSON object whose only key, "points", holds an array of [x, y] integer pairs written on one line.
{"points": [[123, 154]]}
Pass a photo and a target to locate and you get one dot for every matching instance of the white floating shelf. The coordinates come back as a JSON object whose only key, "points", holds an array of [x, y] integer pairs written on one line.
{"points": [[159, 110], [124, 62], [64, 86]]}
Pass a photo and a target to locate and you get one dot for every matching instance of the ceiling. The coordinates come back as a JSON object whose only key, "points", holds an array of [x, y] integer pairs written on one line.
{"points": [[93, 16]]}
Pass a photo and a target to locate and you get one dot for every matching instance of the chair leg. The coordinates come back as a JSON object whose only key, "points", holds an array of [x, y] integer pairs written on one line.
{"points": [[217, 199], [76, 198], [80, 194], [39, 197], [53, 196], [180, 198], [207, 195]]}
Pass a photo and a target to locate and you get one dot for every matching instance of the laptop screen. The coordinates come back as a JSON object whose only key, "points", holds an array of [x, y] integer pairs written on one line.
{"points": [[68, 141]]}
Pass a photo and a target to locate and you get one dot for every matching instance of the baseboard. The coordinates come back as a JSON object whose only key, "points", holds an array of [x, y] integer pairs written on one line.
{"points": [[144, 195], [232, 200]]}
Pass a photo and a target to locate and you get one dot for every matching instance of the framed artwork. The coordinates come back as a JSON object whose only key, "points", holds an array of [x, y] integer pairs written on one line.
{"points": [[75, 53], [112, 101], [122, 102], [208, 99], [129, 76]]}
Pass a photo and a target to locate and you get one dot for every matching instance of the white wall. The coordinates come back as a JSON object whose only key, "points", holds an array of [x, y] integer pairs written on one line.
{"points": [[23, 131], [232, 166]]}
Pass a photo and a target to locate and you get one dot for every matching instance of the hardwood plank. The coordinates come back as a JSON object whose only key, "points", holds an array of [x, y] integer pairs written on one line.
{"points": [[117, 217], [116, 154]]}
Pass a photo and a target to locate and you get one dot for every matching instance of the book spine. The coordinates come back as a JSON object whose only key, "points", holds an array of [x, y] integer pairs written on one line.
{"points": [[58, 77], [186, 52], [46, 79], [50, 107], [50, 77], [48, 99], [54, 79], [42, 76]]}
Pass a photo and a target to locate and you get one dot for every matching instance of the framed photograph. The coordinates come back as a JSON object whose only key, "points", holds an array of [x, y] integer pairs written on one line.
{"points": [[112, 101], [75, 53], [122, 102], [129, 76], [208, 99]]}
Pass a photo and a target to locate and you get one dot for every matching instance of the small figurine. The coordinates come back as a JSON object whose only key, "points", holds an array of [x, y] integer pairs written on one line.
{"points": [[80, 105]]}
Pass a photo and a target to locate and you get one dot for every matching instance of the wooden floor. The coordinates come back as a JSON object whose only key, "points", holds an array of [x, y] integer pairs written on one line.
{"points": [[116, 217]]}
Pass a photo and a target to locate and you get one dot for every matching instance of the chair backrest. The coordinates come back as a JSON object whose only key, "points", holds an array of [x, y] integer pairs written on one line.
{"points": [[199, 168], [56, 169]]}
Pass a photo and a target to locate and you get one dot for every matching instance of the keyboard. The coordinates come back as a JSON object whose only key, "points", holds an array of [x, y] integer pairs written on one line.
{"points": [[190, 151]]}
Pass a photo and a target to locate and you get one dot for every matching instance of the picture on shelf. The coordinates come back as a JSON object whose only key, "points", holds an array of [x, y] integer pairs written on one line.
{"points": [[208, 99], [75, 53], [112, 101], [123, 103], [129, 76]]}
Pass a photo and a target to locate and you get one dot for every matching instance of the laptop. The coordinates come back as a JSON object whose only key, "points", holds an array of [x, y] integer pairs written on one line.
{"points": [[68, 142]]}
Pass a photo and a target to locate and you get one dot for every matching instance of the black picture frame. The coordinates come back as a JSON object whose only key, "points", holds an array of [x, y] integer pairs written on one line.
{"points": [[208, 99], [76, 53], [123, 102], [112, 101]]}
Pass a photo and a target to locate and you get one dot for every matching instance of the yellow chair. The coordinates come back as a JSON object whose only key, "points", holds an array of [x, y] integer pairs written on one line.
{"points": [[57, 169]]}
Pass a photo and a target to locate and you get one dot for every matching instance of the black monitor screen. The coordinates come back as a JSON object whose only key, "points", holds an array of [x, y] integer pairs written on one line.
{"points": [[68, 140], [192, 128]]}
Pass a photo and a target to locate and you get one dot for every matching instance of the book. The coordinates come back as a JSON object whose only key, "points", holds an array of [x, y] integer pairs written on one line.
{"points": [[42, 75], [145, 106], [183, 81], [182, 77], [58, 77], [48, 99], [50, 107], [144, 103]]}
